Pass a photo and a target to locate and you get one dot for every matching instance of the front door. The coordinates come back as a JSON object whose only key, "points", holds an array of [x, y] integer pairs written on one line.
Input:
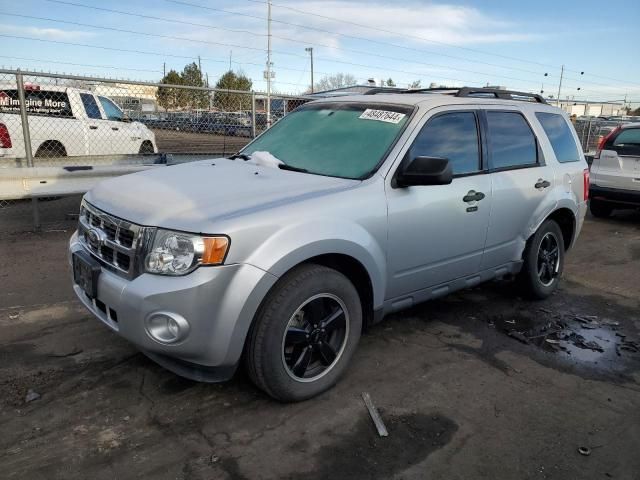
{"points": [[437, 233]]}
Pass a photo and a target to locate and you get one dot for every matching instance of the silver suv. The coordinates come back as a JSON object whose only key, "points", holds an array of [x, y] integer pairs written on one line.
{"points": [[346, 210], [615, 171]]}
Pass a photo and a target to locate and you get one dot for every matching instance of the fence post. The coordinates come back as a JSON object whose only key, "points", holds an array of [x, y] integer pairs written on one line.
{"points": [[25, 119], [253, 114], [588, 136], [26, 135]]}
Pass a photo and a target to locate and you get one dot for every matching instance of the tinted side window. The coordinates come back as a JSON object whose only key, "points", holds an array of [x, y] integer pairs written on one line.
{"points": [[559, 133], [511, 141], [453, 136], [39, 102], [90, 106]]}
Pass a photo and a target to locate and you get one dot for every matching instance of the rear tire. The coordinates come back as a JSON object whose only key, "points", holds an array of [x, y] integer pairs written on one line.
{"points": [[600, 209], [304, 334], [543, 261]]}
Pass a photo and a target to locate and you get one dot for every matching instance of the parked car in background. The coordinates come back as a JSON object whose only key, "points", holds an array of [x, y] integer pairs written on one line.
{"points": [[615, 171], [345, 210], [66, 121], [225, 123]]}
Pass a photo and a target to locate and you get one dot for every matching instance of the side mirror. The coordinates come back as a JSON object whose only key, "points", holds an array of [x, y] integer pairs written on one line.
{"points": [[424, 171]]}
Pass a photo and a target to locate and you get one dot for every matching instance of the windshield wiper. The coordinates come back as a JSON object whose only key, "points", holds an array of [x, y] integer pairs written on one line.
{"points": [[284, 166], [242, 156]]}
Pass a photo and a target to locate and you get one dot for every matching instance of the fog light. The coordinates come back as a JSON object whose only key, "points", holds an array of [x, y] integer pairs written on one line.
{"points": [[165, 327]]}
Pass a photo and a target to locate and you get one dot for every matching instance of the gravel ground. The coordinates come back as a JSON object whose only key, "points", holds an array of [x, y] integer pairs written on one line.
{"points": [[480, 384]]}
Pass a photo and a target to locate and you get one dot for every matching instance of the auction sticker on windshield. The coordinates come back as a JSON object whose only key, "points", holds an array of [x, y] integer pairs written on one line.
{"points": [[382, 115]]}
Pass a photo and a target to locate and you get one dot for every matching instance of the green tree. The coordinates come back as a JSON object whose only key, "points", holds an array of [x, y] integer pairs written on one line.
{"points": [[191, 75], [229, 101], [390, 82], [416, 84], [170, 98]]}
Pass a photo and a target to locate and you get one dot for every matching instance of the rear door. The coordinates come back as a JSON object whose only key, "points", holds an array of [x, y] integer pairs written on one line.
{"points": [[619, 162], [522, 184], [98, 137]]}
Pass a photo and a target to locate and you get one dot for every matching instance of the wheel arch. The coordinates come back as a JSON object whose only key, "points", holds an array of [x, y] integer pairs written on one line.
{"points": [[566, 220], [51, 146]]}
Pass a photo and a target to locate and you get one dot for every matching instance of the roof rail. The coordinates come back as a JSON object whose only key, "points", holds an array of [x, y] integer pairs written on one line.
{"points": [[498, 93], [481, 92], [375, 90]]}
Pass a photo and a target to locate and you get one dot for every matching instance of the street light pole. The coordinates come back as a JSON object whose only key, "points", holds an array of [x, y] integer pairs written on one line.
{"points": [[310, 50]]}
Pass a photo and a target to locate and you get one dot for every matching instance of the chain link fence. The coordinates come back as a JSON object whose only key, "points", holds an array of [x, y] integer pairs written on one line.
{"points": [[51, 120], [591, 131]]}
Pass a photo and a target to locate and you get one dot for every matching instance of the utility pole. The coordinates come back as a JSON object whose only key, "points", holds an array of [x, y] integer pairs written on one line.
{"points": [[230, 55], [560, 84], [310, 50], [268, 63], [200, 68], [164, 69]]}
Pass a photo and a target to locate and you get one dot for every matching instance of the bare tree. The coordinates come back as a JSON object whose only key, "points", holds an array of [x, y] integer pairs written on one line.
{"points": [[331, 82]]}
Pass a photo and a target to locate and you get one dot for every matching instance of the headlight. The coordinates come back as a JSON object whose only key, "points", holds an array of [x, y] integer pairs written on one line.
{"points": [[177, 253]]}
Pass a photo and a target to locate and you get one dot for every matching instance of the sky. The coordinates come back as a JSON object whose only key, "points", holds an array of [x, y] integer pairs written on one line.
{"points": [[507, 43]]}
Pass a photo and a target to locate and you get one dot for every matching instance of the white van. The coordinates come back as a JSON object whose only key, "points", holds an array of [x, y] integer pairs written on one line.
{"points": [[66, 121]]}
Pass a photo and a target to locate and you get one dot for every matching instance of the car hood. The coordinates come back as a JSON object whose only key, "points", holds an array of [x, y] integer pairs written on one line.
{"points": [[199, 195]]}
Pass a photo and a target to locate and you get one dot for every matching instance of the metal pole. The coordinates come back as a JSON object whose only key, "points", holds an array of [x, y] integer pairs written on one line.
{"points": [[310, 50], [26, 135], [268, 63], [253, 114], [25, 119], [586, 148], [560, 84]]}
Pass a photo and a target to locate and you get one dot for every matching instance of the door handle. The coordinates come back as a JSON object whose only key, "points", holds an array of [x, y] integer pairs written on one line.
{"points": [[542, 184], [93, 127], [115, 128], [473, 196]]}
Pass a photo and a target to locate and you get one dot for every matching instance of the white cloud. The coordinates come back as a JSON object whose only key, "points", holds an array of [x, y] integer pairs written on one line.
{"points": [[45, 33]]}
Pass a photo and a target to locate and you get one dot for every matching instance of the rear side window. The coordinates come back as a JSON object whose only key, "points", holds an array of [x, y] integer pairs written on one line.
{"points": [[627, 142], [90, 106], [453, 136], [511, 141], [560, 136], [39, 102]]}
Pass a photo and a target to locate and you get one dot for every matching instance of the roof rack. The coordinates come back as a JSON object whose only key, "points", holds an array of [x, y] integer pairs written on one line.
{"points": [[481, 92]]}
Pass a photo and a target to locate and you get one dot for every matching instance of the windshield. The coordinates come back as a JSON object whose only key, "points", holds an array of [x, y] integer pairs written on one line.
{"points": [[346, 140]]}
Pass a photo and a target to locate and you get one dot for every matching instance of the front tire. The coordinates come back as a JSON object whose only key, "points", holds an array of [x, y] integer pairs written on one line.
{"points": [[600, 209], [543, 261], [304, 334]]}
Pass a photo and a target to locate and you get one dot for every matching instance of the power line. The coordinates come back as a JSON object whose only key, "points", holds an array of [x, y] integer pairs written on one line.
{"points": [[475, 50], [307, 27], [80, 64], [297, 41]]}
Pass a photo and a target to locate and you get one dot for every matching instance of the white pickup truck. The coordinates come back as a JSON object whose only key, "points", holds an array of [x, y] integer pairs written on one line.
{"points": [[67, 121]]}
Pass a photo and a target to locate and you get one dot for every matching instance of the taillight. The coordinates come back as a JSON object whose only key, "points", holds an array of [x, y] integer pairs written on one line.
{"points": [[603, 140], [5, 138], [585, 184]]}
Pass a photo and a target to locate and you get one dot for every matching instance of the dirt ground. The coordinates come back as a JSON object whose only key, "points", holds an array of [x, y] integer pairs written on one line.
{"points": [[463, 396]]}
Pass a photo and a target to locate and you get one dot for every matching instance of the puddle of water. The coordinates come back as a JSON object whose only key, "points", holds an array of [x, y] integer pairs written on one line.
{"points": [[580, 339]]}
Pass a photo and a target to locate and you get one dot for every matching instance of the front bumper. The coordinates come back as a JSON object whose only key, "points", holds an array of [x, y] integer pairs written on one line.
{"points": [[615, 195], [218, 302]]}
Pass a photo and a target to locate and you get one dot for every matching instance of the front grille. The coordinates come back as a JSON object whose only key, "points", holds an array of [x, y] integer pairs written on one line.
{"points": [[113, 241]]}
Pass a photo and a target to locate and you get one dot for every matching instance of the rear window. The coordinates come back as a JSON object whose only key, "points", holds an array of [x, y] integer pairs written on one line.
{"points": [[90, 106], [627, 142], [560, 136], [39, 102], [511, 141]]}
